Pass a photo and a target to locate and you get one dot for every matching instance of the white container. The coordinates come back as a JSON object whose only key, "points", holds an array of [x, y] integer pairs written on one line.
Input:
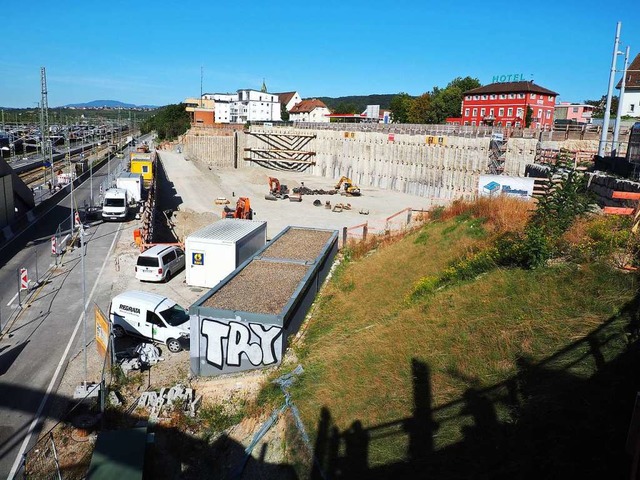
{"points": [[215, 251], [132, 183]]}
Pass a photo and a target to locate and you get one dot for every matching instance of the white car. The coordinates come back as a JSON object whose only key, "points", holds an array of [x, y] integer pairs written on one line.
{"points": [[159, 263]]}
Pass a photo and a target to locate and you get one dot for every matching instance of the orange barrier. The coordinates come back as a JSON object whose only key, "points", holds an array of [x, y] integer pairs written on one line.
{"points": [[618, 210]]}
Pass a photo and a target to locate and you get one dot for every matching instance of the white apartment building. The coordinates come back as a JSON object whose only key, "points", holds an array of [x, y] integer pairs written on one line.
{"points": [[246, 105], [631, 98]]}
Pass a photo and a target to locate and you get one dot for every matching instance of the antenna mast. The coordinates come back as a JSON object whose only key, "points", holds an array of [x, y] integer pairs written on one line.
{"points": [[47, 152]]}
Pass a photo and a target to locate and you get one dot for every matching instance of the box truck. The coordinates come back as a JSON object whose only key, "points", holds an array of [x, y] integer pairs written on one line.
{"points": [[215, 251], [132, 183]]}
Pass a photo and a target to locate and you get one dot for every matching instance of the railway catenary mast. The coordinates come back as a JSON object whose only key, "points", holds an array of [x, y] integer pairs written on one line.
{"points": [[47, 151]]}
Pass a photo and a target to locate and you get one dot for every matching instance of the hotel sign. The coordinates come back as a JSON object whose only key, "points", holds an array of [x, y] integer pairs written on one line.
{"points": [[512, 77]]}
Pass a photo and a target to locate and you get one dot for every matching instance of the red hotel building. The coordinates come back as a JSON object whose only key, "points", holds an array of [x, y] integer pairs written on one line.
{"points": [[505, 105]]}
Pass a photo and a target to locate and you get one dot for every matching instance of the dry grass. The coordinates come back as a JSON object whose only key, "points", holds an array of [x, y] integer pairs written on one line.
{"points": [[363, 337], [502, 213]]}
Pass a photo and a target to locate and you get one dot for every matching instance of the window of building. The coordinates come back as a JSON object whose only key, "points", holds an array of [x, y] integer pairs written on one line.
{"points": [[519, 112], [539, 114], [508, 124], [631, 107], [510, 112], [501, 112], [521, 95], [466, 112], [475, 112], [476, 97], [512, 95], [468, 97], [484, 97], [533, 95], [574, 109], [548, 114], [518, 124], [483, 111], [551, 98], [492, 96], [502, 96], [473, 123], [466, 123], [491, 112]]}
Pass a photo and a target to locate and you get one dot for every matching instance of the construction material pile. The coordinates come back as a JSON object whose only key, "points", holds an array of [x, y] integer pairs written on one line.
{"points": [[308, 191]]}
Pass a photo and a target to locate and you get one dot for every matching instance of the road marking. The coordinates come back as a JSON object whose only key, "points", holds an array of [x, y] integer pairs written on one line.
{"points": [[12, 299], [27, 439]]}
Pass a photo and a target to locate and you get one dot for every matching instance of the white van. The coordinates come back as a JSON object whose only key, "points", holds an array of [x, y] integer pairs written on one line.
{"points": [[150, 316], [115, 204], [159, 263]]}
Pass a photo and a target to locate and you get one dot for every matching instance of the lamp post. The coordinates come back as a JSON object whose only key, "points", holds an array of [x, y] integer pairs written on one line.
{"points": [[616, 128]]}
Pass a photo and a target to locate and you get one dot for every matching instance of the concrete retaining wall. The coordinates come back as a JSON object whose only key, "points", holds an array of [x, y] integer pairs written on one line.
{"points": [[446, 169]]}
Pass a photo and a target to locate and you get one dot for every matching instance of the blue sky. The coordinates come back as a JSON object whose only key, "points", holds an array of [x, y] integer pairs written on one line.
{"points": [[151, 52]]}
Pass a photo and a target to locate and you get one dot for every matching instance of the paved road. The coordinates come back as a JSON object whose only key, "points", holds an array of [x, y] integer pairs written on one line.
{"points": [[39, 338]]}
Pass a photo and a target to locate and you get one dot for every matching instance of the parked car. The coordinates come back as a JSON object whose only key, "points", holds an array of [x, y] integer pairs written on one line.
{"points": [[150, 316], [159, 263]]}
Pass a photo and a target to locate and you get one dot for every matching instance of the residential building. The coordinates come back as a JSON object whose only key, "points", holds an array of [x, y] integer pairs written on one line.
{"points": [[631, 97], [312, 110], [201, 111], [289, 99], [505, 104], [573, 112], [246, 105]]}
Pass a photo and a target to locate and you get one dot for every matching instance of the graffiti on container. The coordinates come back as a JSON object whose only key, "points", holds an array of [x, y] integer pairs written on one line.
{"points": [[228, 341]]}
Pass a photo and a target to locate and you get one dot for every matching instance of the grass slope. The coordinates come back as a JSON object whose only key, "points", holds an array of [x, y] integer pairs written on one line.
{"points": [[515, 374]]}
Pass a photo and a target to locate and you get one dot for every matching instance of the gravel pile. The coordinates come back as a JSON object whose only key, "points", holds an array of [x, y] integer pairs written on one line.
{"points": [[260, 287], [298, 244]]}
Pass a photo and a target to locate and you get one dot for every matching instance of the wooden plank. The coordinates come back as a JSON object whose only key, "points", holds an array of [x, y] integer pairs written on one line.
{"points": [[618, 210], [284, 160], [626, 195]]}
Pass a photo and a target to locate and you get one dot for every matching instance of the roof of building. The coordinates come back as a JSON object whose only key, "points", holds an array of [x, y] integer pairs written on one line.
{"points": [[511, 87], [633, 75], [285, 97], [306, 106]]}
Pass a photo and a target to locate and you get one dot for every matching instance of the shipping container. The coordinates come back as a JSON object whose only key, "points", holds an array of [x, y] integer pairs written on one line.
{"points": [[216, 250], [247, 321], [143, 163]]}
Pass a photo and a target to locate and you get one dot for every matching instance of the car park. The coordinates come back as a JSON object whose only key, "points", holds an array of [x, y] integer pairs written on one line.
{"points": [[159, 263], [150, 316]]}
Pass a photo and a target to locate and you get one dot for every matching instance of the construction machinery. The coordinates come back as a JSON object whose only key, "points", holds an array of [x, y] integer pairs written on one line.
{"points": [[276, 190], [348, 186], [243, 210]]}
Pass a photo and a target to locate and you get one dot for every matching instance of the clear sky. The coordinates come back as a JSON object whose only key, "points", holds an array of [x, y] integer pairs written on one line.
{"points": [[146, 52]]}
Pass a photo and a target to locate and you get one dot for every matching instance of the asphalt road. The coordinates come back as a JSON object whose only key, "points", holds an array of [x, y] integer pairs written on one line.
{"points": [[39, 337]]}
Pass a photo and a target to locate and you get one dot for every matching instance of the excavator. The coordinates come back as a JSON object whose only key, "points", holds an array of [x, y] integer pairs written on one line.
{"points": [[243, 210], [349, 187], [276, 190]]}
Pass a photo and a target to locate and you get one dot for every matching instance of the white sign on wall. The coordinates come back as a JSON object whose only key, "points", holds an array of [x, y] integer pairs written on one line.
{"points": [[494, 185]]}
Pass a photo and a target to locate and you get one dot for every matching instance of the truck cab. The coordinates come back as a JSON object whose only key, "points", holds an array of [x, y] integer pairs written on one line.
{"points": [[115, 204]]}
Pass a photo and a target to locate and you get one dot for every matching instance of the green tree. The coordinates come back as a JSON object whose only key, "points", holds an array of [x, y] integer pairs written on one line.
{"points": [[448, 101], [528, 117], [598, 111], [346, 108], [420, 109], [284, 114], [400, 105], [169, 122]]}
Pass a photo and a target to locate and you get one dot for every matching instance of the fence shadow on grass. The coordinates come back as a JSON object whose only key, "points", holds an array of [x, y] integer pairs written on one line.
{"points": [[564, 417]]}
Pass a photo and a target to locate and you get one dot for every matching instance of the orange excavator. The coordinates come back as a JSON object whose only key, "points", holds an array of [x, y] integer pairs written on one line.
{"points": [[276, 190], [243, 210]]}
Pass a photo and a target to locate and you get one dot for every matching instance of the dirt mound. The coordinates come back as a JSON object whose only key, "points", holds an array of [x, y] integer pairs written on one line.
{"points": [[187, 221]]}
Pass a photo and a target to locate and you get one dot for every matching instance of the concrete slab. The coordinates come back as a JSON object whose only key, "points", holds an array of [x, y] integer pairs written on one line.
{"points": [[199, 187]]}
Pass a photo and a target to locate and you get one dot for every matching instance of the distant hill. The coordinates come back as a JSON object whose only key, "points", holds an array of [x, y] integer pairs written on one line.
{"points": [[107, 104], [358, 102]]}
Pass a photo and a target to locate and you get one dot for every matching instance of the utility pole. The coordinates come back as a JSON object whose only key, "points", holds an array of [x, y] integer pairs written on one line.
{"points": [[616, 129], [612, 75], [47, 150]]}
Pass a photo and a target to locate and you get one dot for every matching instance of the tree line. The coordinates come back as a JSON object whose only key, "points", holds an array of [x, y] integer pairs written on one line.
{"points": [[434, 106], [169, 122]]}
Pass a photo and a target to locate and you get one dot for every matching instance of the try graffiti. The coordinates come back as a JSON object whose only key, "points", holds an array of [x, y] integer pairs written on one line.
{"points": [[229, 341]]}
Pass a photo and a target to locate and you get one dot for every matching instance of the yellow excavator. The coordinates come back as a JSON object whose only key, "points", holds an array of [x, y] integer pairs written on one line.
{"points": [[349, 187]]}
